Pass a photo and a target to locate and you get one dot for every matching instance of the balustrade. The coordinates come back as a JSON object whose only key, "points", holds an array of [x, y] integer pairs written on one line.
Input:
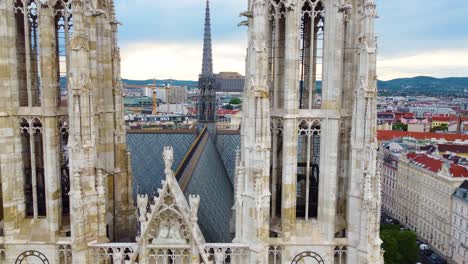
{"points": [[112, 253], [227, 253]]}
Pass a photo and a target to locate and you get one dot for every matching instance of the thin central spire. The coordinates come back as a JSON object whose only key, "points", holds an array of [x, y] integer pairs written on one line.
{"points": [[207, 67]]}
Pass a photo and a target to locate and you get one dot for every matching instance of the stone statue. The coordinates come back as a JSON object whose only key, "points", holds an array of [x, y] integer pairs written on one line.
{"points": [[194, 204], [169, 233], [117, 257], [219, 256], [142, 202], [168, 156]]}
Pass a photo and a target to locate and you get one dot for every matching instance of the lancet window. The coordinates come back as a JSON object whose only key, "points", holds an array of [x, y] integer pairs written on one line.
{"points": [[276, 168], [308, 169], [64, 165], [63, 33], [311, 54], [28, 52], [276, 50], [33, 167]]}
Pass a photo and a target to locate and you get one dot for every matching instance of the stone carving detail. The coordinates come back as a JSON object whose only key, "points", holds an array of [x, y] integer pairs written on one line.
{"points": [[258, 8], [194, 204], [142, 203], [79, 42], [168, 156]]}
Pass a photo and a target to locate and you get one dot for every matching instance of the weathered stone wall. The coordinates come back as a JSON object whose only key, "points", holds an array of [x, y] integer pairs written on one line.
{"points": [[99, 172]]}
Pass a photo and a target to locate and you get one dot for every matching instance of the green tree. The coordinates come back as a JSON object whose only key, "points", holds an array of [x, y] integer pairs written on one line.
{"points": [[229, 107], [390, 246], [235, 101], [443, 127], [389, 227], [399, 245], [407, 246], [400, 127]]}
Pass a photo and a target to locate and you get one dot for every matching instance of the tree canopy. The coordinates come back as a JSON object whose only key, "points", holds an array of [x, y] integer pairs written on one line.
{"points": [[399, 245]]}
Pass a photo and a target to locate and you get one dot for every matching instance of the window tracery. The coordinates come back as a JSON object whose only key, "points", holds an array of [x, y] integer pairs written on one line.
{"points": [[63, 34], [311, 54], [33, 166], [276, 50], [28, 52], [308, 170]]}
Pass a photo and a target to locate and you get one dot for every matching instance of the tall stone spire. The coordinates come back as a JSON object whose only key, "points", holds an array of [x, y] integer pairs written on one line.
{"points": [[207, 66], [207, 104]]}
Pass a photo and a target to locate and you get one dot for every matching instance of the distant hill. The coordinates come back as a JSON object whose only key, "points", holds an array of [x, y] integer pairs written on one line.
{"points": [[424, 85], [162, 82]]}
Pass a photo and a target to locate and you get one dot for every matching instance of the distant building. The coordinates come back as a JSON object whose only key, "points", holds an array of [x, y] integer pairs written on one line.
{"points": [[431, 110], [450, 121], [229, 82], [138, 101], [169, 94], [419, 127], [389, 174], [459, 241], [417, 190], [464, 125]]}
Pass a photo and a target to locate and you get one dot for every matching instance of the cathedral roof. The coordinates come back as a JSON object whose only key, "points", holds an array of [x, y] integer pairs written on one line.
{"points": [[205, 166], [210, 180]]}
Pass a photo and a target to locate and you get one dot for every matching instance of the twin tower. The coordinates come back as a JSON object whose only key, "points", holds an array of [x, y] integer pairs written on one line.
{"points": [[306, 185]]}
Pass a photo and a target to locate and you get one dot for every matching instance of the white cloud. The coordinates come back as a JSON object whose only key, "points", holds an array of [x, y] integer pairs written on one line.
{"points": [[182, 60], [436, 63], [178, 60], [177, 4]]}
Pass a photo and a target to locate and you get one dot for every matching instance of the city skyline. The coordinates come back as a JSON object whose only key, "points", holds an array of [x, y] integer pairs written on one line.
{"points": [[171, 46]]}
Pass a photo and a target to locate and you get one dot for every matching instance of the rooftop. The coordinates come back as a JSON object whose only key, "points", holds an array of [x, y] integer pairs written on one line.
{"points": [[386, 135], [435, 165]]}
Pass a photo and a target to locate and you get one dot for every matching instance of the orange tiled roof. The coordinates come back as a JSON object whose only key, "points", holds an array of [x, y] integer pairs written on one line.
{"points": [[435, 165], [459, 171], [386, 135], [444, 118], [428, 163]]}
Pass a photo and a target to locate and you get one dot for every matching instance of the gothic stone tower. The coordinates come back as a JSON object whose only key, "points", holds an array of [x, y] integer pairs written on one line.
{"points": [[207, 104], [63, 163], [307, 184]]}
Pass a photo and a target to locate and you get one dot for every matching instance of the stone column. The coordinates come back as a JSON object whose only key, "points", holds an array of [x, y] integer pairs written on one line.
{"points": [[290, 127], [11, 168], [328, 189], [50, 94]]}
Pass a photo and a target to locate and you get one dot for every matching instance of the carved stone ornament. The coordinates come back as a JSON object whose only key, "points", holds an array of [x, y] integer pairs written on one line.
{"points": [[370, 9], [194, 201], [258, 8], [81, 82], [168, 156], [80, 42]]}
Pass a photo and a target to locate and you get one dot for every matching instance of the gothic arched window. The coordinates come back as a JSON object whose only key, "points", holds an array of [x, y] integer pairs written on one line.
{"points": [[276, 50], [63, 32], [33, 166], [308, 168], [28, 52], [311, 54]]}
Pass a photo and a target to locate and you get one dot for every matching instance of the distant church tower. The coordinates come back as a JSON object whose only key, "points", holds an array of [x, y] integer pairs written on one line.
{"points": [[64, 168], [307, 186], [207, 104]]}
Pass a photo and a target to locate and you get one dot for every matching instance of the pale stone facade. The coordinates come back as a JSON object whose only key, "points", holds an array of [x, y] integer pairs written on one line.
{"points": [[459, 240], [422, 198], [389, 180], [307, 186], [307, 180], [63, 163]]}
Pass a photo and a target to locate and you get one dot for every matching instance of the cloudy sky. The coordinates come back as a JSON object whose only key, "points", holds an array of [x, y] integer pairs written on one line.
{"points": [[163, 38]]}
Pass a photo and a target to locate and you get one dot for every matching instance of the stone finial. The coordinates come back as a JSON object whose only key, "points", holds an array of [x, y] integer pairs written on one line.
{"points": [[194, 201], [168, 156]]}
